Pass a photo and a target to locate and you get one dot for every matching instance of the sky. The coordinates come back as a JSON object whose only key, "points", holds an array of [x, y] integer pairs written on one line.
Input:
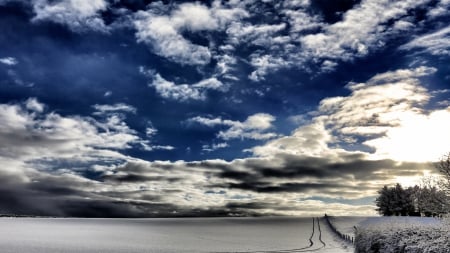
{"points": [[140, 108]]}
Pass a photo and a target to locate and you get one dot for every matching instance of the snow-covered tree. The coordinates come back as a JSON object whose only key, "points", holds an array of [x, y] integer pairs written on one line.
{"points": [[444, 168], [430, 201]]}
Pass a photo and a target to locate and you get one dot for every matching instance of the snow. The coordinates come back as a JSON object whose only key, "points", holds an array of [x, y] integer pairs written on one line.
{"points": [[242, 235], [51, 235], [334, 243], [346, 224], [403, 234]]}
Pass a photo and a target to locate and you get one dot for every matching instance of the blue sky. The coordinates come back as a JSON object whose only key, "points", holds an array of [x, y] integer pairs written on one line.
{"points": [[197, 108]]}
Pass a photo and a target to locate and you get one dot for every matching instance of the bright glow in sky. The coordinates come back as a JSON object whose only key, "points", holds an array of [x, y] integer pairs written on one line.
{"points": [[417, 138]]}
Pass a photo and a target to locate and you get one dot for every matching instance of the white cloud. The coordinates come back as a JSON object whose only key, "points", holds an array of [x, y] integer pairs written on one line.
{"points": [[264, 63], [436, 43], [299, 37], [295, 38], [254, 127], [376, 105], [151, 131], [392, 104], [152, 147], [118, 107], [166, 41], [77, 14], [211, 122], [263, 35], [34, 105], [328, 66], [298, 120], [185, 92], [32, 139], [309, 140], [9, 61], [301, 21], [410, 75], [13, 117], [164, 32], [214, 146], [440, 9], [32, 136], [194, 17], [296, 3], [362, 29], [310, 41], [225, 64]]}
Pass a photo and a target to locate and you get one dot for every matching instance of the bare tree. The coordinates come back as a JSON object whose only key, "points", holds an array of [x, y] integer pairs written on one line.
{"points": [[444, 168], [430, 201]]}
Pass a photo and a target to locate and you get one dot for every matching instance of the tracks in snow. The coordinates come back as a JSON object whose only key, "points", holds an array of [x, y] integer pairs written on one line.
{"points": [[320, 234], [315, 242]]}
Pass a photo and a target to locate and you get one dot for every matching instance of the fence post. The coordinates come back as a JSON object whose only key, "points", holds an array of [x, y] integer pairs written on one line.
{"points": [[344, 237]]}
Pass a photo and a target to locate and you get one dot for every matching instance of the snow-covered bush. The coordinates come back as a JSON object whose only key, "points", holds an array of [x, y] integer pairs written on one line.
{"points": [[403, 235]]}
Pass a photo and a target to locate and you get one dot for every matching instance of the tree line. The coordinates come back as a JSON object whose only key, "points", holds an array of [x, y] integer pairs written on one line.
{"points": [[412, 201], [431, 198]]}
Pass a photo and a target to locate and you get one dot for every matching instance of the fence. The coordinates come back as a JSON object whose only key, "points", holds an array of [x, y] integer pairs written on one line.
{"points": [[345, 237]]}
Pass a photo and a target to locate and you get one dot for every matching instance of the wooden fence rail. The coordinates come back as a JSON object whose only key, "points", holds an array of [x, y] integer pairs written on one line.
{"points": [[345, 237]]}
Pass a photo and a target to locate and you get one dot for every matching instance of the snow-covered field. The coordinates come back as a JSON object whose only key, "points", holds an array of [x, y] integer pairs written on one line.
{"points": [[403, 234], [346, 224], [375, 234], [33, 235]]}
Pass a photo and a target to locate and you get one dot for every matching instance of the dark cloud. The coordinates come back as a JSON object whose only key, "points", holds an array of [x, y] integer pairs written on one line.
{"points": [[271, 187], [136, 178], [239, 175], [72, 195], [248, 205], [59, 196]]}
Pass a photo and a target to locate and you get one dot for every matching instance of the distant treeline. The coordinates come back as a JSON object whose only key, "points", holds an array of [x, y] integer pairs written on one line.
{"points": [[22, 216]]}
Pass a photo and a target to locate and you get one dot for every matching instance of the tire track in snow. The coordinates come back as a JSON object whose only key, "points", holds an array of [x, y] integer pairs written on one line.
{"points": [[315, 232], [311, 243], [320, 233], [311, 239]]}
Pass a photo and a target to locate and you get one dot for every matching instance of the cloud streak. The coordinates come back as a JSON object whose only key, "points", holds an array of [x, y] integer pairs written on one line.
{"points": [[436, 43], [11, 61], [254, 127]]}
